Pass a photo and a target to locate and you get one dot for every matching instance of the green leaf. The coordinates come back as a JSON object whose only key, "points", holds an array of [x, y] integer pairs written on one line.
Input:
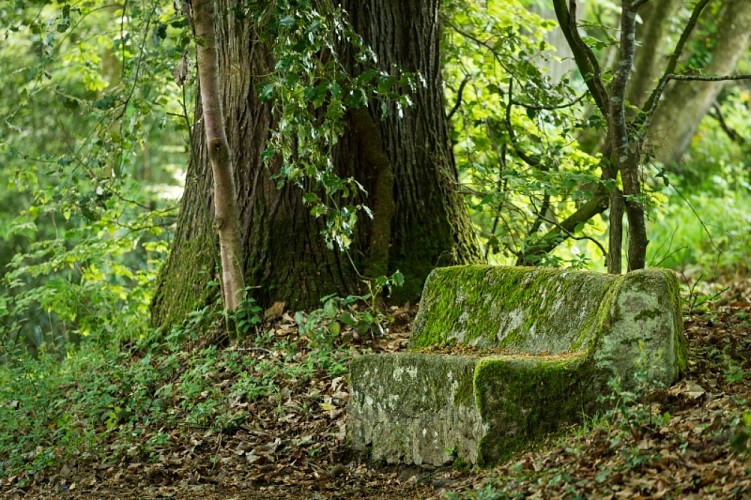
{"points": [[398, 278], [335, 328]]}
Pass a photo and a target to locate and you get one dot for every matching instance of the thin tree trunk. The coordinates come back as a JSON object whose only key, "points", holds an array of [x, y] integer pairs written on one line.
{"points": [[615, 236], [626, 150], [226, 218]]}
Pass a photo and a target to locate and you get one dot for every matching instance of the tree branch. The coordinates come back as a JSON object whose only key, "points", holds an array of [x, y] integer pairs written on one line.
{"points": [[580, 238], [481, 43], [566, 228], [583, 55], [731, 133], [550, 108], [458, 98], [709, 78]]}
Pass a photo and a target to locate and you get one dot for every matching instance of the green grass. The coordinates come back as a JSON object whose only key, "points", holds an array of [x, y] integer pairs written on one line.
{"points": [[702, 231]]}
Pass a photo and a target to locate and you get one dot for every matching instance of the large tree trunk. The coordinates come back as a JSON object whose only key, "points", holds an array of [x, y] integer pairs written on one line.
{"points": [[406, 166], [685, 103]]}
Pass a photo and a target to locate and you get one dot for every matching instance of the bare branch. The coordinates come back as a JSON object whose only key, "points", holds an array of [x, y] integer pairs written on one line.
{"points": [[580, 238], [458, 98], [709, 78], [685, 78], [617, 105], [730, 131], [550, 108], [478, 41], [565, 229]]}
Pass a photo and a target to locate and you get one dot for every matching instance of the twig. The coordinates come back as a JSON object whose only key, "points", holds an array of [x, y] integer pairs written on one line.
{"points": [[216, 450], [579, 238], [698, 217], [550, 108], [731, 133], [502, 166], [709, 78], [458, 98], [261, 349]]}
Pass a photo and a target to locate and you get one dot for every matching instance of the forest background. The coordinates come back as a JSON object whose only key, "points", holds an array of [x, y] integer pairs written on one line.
{"points": [[102, 130]]}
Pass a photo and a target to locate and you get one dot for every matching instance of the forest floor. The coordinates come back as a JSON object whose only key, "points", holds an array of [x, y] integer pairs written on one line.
{"points": [[691, 440]]}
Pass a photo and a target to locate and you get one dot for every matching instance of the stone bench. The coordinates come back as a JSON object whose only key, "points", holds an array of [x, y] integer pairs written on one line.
{"points": [[531, 350]]}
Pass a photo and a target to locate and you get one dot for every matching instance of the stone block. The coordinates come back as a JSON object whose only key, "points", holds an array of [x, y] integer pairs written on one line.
{"points": [[538, 348]]}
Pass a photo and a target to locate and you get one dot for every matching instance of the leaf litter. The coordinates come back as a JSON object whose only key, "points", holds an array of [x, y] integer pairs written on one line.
{"points": [[691, 440]]}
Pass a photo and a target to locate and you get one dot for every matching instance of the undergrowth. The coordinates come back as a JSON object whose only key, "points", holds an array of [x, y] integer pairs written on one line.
{"points": [[707, 232], [636, 437], [105, 404], [129, 404]]}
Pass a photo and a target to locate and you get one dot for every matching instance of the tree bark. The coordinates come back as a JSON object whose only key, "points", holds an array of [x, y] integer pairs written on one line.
{"points": [[685, 103], [226, 218], [431, 226], [615, 232], [626, 150], [284, 256]]}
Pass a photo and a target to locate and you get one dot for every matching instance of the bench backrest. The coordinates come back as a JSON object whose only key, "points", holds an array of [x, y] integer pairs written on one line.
{"points": [[530, 310]]}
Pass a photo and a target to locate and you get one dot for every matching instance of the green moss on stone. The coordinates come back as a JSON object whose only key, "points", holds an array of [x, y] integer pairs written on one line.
{"points": [[567, 334], [413, 407], [523, 399], [464, 394], [525, 309], [641, 328]]}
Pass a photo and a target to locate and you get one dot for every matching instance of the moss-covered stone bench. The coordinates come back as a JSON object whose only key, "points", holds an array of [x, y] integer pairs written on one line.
{"points": [[535, 347]]}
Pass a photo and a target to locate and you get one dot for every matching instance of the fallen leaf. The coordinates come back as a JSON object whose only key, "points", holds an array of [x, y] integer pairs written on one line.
{"points": [[689, 389], [274, 312]]}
